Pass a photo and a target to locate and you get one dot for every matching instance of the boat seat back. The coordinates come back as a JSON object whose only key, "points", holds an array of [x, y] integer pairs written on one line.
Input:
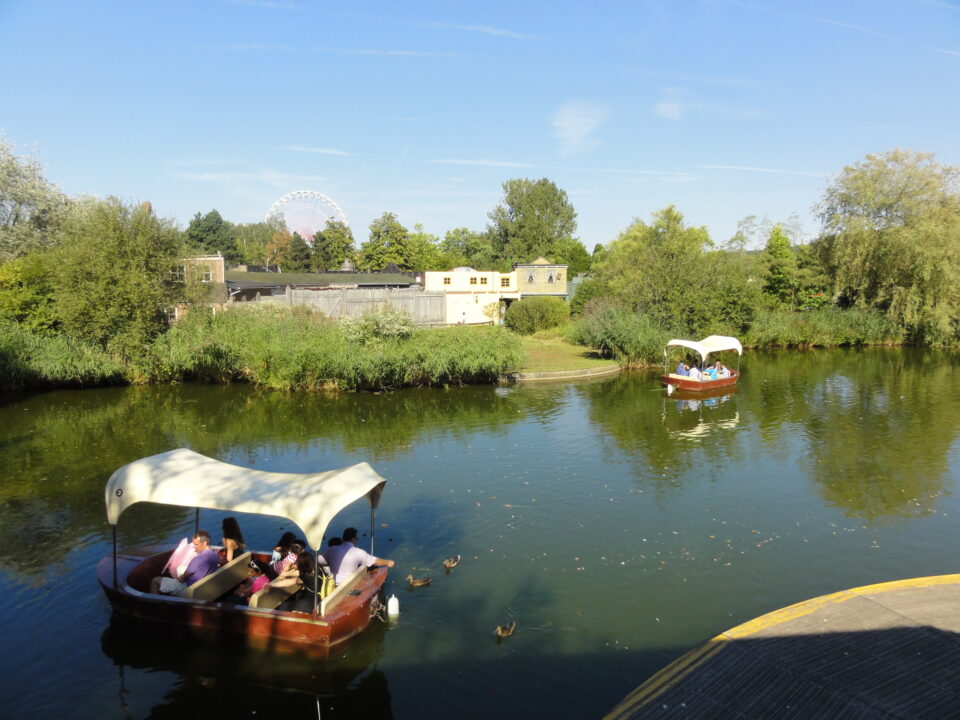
{"points": [[341, 590], [269, 597], [220, 580]]}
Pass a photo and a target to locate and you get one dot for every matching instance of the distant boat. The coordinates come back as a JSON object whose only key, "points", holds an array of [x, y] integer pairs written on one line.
{"points": [[706, 347], [183, 477]]}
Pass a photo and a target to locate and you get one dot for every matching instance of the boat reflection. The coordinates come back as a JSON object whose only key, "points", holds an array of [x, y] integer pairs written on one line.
{"points": [[230, 679], [699, 416]]}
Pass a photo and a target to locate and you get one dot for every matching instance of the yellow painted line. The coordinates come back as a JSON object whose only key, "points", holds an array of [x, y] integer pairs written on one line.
{"points": [[681, 667]]}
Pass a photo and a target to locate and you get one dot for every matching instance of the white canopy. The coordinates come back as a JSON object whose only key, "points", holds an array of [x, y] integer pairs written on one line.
{"points": [[712, 344], [184, 477]]}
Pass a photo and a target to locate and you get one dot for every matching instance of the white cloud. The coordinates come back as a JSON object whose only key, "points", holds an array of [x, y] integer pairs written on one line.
{"points": [[673, 106], [486, 30], [482, 163], [322, 151], [774, 171], [270, 178], [945, 51], [330, 50], [574, 124]]}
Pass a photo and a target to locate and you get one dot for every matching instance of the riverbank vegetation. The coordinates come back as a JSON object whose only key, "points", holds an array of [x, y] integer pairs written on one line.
{"points": [[89, 287]]}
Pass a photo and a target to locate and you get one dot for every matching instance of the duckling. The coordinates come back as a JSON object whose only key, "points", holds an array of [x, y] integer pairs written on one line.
{"points": [[418, 582], [451, 562], [505, 631]]}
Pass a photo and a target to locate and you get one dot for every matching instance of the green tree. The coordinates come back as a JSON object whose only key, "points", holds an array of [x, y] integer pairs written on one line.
{"points": [[27, 292], [113, 273], [535, 219], [210, 234], [297, 260], [668, 271], [780, 267], [462, 246], [388, 243], [424, 251], [891, 240], [31, 209], [254, 239], [332, 245]]}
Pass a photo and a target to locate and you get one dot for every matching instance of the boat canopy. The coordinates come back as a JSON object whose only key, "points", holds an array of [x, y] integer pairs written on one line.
{"points": [[712, 344], [189, 479]]}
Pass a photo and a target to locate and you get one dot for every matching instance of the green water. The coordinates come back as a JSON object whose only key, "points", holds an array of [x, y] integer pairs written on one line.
{"points": [[619, 527]]}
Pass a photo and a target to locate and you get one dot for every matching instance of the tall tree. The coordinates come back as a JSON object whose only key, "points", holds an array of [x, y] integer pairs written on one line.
{"points": [[31, 209], [388, 243], [113, 274], [891, 240], [665, 270], [210, 233], [424, 250], [297, 260], [534, 219], [332, 245], [780, 267], [254, 239]]}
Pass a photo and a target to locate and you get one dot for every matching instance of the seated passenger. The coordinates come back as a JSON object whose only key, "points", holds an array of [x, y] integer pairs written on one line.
{"points": [[345, 558], [710, 373], [282, 547], [309, 583], [206, 561], [694, 372], [255, 581], [288, 563], [233, 544], [722, 370], [681, 369], [179, 559]]}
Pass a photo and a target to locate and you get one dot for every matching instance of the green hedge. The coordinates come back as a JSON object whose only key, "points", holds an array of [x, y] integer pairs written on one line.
{"points": [[529, 315]]}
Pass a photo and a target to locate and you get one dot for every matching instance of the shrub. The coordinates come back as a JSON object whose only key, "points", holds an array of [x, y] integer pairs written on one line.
{"points": [[537, 313], [618, 332], [386, 323]]}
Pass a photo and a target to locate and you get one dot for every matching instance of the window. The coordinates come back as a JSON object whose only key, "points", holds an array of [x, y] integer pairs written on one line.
{"points": [[530, 276], [473, 281], [550, 276], [505, 282], [483, 281], [178, 273], [206, 276], [559, 275], [446, 281]]}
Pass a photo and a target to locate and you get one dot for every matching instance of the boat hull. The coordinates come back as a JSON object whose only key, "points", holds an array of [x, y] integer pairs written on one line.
{"points": [[689, 385], [259, 627]]}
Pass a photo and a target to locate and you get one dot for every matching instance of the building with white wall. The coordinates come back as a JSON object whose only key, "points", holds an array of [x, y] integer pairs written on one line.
{"points": [[469, 293]]}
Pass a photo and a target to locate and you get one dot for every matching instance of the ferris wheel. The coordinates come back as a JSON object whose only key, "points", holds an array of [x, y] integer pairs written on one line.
{"points": [[306, 212]]}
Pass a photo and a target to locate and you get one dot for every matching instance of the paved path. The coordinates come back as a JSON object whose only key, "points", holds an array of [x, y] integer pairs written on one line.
{"points": [[881, 651]]}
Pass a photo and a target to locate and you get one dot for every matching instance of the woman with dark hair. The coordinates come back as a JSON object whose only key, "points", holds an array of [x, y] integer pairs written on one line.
{"points": [[282, 547], [233, 544], [306, 578]]}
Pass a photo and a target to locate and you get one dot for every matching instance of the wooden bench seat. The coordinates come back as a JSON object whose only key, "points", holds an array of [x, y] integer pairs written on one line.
{"points": [[269, 597], [342, 590], [220, 580]]}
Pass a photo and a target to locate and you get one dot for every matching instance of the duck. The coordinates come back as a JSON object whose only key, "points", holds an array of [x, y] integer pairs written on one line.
{"points": [[451, 562], [418, 582], [505, 631]]}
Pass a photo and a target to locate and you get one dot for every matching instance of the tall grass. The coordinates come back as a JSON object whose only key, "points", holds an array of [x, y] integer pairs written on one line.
{"points": [[281, 349], [28, 361], [825, 327], [619, 333]]}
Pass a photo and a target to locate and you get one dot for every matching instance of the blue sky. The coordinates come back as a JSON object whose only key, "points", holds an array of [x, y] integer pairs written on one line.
{"points": [[723, 108]]}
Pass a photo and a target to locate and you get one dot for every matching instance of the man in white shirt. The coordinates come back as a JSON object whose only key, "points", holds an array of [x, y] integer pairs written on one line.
{"points": [[694, 372], [344, 559]]}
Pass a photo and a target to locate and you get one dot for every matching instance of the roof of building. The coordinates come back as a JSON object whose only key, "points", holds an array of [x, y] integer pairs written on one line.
{"points": [[243, 279]]}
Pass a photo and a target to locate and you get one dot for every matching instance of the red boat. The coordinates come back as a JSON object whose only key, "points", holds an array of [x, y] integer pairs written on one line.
{"points": [[709, 345], [183, 477]]}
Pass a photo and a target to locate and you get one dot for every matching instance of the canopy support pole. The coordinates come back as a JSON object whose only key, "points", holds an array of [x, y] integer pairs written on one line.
{"points": [[114, 557], [373, 517], [196, 523], [316, 575]]}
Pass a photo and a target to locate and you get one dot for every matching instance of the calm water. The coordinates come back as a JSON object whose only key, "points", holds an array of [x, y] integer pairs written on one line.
{"points": [[620, 528]]}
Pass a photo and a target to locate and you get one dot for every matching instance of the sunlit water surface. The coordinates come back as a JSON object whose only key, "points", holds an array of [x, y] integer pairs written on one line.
{"points": [[618, 527]]}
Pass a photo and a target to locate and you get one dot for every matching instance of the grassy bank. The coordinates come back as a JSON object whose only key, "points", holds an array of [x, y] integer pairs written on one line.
{"points": [[549, 351], [272, 347]]}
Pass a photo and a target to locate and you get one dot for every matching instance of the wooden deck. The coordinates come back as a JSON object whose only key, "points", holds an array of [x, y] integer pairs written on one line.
{"points": [[881, 651]]}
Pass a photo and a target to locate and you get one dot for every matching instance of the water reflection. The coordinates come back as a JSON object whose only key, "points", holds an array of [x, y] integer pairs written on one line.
{"points": [[824, 470]]}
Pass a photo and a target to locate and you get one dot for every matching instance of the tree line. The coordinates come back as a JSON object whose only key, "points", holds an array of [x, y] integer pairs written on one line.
{"points": [[100, 269]]}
